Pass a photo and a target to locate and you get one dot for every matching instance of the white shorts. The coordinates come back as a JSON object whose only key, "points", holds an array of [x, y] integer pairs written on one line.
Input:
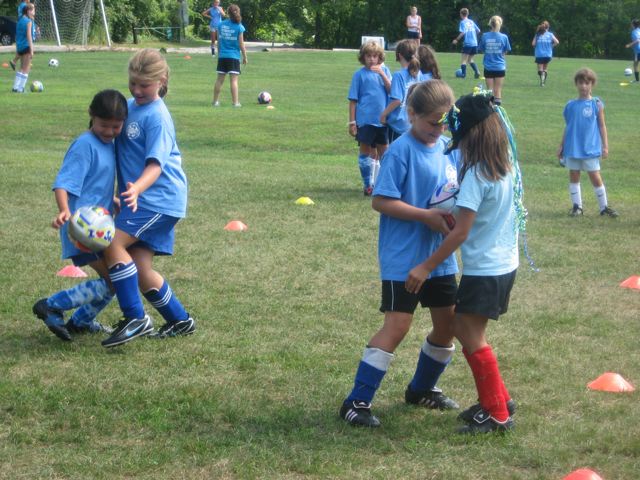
{"points": [[585, 164]]}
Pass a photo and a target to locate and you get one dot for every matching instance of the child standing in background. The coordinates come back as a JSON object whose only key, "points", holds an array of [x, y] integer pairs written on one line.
{"points": [[24, 47], [635, 44], [495, 45], [214, 14], [584, 142], [153, 191], [543, 44], [367, 99], [469, 31], [230, 37], [85, 179]]}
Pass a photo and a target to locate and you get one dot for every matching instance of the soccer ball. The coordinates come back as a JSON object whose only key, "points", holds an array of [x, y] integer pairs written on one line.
{"points": [[444, 197], [36, 86], [459, 73], [91, 229], [628, 72], [54, 63], [264, 98]]}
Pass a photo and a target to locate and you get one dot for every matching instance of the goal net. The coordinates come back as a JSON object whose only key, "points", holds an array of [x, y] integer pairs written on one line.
{"points": [[70, 22]]}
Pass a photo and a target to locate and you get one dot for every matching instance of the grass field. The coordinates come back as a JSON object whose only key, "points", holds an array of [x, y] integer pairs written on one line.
{"points": [[285, 308]]}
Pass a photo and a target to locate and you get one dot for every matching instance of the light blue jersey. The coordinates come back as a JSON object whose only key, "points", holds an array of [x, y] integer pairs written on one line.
{"points": [[88, 175], [491, 248], [229, 39], [494, 45], [367, 89], [216, 18], [471, 31], [410, 171], [149, 133], [398, 119], [635, 35], [582, 133], [22, 42], [544, 45]]}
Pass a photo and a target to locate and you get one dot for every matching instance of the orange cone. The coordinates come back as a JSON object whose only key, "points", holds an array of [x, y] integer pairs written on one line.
{"points": [[5, 65], [611, 382], [583, 474], [187, 57], [71, 271], [235, 226], [632, 282]]}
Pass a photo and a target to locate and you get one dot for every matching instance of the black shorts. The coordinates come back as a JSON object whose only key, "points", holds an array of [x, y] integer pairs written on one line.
{"points": [[228, 65], [435, 293], [413, 35], [22, 52], [485, 296], [494, 74], [393, 135], [542, 60], [372, 135], [469, 50], [636, 57]]}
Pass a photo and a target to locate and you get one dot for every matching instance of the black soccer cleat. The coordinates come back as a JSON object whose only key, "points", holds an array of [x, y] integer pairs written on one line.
{"points": [[482, 422], [358, 414], [53, 318], [175, 329], [467, 415], [608, 211], [576, 211], [128, 329], [433, 399]]}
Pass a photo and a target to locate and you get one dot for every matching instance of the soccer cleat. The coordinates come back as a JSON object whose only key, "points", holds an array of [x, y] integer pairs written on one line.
{"points": [[216, 103], [213, 51], [13, 64], [53, 318], [433, 399], [128, 329], [358, 414], [174, 329], [476, 75], [608, 211], [367, 191], [482, 422], [576, 211], [96, 327], [467, 415], [237, 105]]}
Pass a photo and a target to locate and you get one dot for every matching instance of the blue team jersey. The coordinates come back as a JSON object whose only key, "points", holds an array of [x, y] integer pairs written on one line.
{"points": [[148, 133], [491, 248], [229, 39], [544, 45], [88, 175], [410, 171], [582, 133], [216, 17], [398, 119], [22, 42], [471, 31], [367, 89], [494, 45], [635, 35]]}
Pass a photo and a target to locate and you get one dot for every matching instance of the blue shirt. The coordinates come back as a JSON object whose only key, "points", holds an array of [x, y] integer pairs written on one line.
{"points": [[88, 175], [367, 89], [148, 133], [229, 39], [635, 35], [544, 45], [491, 248], [398, 119], [410, 171], [22, 42], [582, 133], [471, 31], [494, 45], [216, 17]]}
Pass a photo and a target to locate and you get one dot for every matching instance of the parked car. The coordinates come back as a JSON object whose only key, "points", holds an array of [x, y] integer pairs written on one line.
{"points": [[7, 30]]}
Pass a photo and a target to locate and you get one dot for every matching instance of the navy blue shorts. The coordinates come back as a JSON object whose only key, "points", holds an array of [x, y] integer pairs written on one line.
{"points": [[83, 259], [393, 135], [485, 296], [543, 60], [26, 50], [469, 50], [153, 230], [494, 74], [435, 293], [412, 35], [372, 135], [636, 57], [228, 65]]}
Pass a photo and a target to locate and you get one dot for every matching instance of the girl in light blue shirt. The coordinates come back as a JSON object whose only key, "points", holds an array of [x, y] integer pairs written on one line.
{"points": [[495, 45], [543, 43]]}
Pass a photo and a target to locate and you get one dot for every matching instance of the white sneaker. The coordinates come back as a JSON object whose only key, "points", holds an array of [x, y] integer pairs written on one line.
{"points": [[237, 105], [216, 104]]}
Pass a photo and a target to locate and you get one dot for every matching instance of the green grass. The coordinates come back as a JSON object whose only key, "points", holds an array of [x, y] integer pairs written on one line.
{"points": [[285, 308]]}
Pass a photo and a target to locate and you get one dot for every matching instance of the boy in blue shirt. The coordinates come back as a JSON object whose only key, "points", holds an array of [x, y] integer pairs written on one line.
{"points": [[469, 31]]}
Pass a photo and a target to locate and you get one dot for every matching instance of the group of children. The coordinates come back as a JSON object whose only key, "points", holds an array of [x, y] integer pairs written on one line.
{"points": [[151, 199]]}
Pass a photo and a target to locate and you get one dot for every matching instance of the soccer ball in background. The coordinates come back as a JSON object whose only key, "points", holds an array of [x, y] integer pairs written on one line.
{"points": [[459, 73], [54, 63], [628, 72], [91, 229], [36, 86], [264, 98]]}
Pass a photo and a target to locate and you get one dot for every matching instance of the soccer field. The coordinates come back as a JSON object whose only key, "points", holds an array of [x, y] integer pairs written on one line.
{"points": [[285, 308]]}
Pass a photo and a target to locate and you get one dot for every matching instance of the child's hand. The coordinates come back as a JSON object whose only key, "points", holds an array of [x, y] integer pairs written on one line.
{"points": [[62, 218], [353, 129], [383, 119], [605, 152], [416, 278], [436, 220], [131, 196], [559, 152]]}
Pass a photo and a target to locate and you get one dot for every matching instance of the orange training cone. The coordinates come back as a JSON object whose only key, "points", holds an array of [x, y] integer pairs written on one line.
{"points": [[5, 65], [235, 226], [71, 271], [187, 57], [632, 282], [583, 474], [611, 382]]}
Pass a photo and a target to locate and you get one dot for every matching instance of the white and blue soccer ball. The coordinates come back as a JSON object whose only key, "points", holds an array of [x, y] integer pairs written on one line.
{"points": [[459, 73], [36, 86], [54, 63], [264, 98], [91, 229], [628, 72], [444, 197]]}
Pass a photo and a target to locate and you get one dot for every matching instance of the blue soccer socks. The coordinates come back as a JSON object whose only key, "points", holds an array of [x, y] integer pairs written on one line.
{"points": [[166, 303], [463, 67], [85, 316], [125, 282], [82, 294], [371, 371], [364, 162], [432, 361]]}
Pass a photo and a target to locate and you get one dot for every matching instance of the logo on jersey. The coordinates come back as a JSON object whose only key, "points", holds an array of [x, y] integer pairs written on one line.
{"points": [[587, 111], [133, 130]]}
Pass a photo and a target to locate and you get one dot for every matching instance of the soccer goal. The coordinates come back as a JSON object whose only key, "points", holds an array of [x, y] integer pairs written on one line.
{"points": [[72, 21]]}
